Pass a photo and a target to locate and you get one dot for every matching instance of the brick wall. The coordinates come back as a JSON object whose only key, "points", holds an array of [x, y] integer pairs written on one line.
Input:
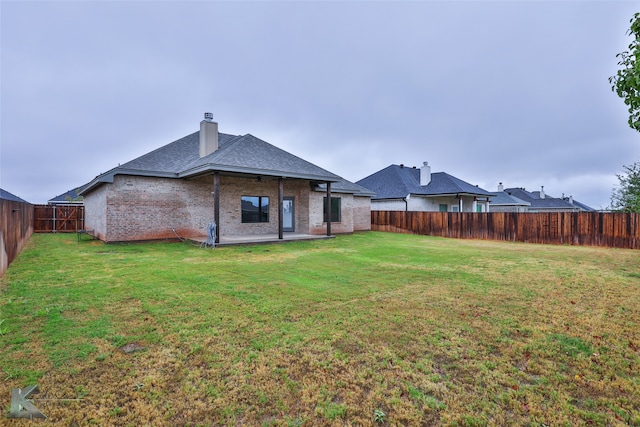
{"points": [[346, 224], [147, 208], [361, 214], [95, 212], [232, 189]]}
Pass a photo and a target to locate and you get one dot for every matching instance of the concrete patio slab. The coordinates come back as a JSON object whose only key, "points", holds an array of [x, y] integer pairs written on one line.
{"points": [[259, 239]]}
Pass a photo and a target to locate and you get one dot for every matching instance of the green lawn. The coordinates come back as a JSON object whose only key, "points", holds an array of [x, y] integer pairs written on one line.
{"points": [[366, 329]]}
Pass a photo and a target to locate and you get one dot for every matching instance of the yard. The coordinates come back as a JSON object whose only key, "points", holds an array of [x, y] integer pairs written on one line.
{"points": [[367, 329]]}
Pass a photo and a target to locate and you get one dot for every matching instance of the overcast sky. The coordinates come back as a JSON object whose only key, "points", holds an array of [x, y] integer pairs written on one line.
{"points": [[503, 91]]}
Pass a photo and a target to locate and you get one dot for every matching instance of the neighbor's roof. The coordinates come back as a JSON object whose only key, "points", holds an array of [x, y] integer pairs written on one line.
{"points": [[70, 196], [548, 202], [583, 206], [397, 181], [244, 154], [503, 198], [8, 196]]}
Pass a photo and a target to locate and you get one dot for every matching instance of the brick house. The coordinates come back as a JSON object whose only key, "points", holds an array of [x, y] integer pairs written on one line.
{"points": [[246, 185]]}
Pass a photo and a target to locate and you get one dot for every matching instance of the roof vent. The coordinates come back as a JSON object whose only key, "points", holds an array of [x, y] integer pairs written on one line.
{"points": [[208, 117]]}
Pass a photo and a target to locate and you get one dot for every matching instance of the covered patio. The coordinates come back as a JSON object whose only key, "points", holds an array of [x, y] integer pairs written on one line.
{"points": [[262, 238]]}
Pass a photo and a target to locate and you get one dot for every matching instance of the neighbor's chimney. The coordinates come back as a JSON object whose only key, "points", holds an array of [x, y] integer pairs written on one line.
{"points": [[208, 135], [542, 192], [500, 187], [425, 174]]}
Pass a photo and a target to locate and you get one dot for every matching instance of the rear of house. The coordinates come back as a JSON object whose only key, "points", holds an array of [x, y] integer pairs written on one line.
{"points": [[247, 186]]}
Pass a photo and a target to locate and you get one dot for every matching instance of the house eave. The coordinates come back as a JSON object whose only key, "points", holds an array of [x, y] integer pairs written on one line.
{"points": [[107, 178], [387, 199], [208, 169], [345, 191], [464, 194]]}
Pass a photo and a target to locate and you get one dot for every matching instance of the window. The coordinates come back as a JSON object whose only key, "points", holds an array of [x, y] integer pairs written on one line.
{"points": [[455, 208], [335, 209], [478, 207], [443, 208], [255, 209]]}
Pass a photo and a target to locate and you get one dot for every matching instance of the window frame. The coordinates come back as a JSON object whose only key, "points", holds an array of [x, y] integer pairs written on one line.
{"points": [[259, 217], [336, 209]]}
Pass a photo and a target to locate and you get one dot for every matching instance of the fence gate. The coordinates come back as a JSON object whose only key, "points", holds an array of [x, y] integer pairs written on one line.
{"points": [[58, 219]]}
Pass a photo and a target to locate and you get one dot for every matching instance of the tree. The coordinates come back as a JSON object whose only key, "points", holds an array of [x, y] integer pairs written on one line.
{"points": [[626, 82], [626, 197]]}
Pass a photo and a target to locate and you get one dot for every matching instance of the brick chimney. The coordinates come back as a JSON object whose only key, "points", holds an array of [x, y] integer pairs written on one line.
{"points": [[425, 174], [208, 135]]}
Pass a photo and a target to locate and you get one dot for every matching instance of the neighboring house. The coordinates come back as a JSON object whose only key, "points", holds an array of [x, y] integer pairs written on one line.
{"points": [[400, 188], [8, 196], [239, 181], [505, 202], [538, 202], [71, 197]]}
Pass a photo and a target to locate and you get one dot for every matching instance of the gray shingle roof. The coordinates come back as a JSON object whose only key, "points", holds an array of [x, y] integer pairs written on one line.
{"points": [[583, 206], [8, 196], [503, 198], [70, 196], [248, 154], [244, 154], [548, 202], [396, 181], [174, 157]]}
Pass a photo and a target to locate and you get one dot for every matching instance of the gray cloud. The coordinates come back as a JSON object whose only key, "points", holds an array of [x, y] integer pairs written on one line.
{"points": [[512, 92]]}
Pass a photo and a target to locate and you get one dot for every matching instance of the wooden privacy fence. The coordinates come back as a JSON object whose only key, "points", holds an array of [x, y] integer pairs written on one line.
{"points": [[616, 230], [16, 226], [58, 219]]}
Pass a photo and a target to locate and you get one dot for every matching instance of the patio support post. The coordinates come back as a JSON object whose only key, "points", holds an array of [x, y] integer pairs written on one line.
{"points": [[328, 209], [280, 205], [216, 203]]}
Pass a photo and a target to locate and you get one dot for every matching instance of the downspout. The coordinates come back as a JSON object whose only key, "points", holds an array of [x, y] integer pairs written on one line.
{"points": [[328, 208], [216, 204], [280, 206]]}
